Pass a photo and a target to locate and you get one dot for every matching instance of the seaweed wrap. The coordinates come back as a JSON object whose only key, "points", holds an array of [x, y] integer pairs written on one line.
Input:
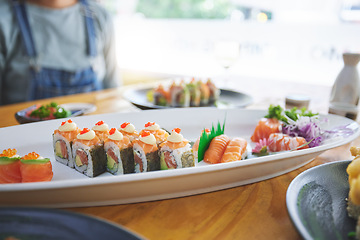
{"points": [[119, 153], [179, 95], [101, 130], [89, 154], [161, 96], [63, 138], [154, 128], [195, 93], [214, 92], [128, 129], [146, 153], [176, 152]]}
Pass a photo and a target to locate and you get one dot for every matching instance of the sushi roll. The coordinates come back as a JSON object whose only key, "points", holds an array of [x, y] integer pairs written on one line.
{"points": [[205, 93], [101, 130], [63, 138], [146, 153], [179, 95], [154, 128], [119, 153], [89, 154], [10, 166], [35, 168], [214, 92], [160, 96], [194, 92], [128, 129], [176, 152]]}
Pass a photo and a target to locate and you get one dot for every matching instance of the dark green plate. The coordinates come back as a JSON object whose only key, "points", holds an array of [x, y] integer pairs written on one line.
{"points": [[42, 223], [316, 202], [228, 98]]}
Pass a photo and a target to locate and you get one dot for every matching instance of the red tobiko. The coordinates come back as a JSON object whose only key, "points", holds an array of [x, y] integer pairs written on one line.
{"points": [[177, 130], [85, 130], [149, 124], [145, 133], [63, 123], [99, 123], [112, 131], [124, 124]]}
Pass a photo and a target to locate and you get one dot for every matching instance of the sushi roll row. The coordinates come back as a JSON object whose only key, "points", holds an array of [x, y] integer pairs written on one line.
{"points": [[192, 94], [118, 151], [29, 168]]}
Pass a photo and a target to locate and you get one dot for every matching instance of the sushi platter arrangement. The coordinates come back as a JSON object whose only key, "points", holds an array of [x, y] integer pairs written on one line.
{"points": [[133, 157], [182, 94]]}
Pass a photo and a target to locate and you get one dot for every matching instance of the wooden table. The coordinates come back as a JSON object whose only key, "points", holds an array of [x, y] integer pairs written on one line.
{"points": [[253, 211]]}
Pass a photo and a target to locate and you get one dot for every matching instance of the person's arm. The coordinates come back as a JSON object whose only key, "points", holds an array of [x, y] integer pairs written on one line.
{"points": [[112, 76]]}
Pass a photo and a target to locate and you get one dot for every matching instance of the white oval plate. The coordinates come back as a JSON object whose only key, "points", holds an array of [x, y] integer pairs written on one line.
{"points": [[70, 188]]}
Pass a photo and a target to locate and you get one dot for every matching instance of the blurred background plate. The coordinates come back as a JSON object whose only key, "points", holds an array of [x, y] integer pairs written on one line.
{"points": [[42, 223], [316, 202], [228, 98], [76, 109]]}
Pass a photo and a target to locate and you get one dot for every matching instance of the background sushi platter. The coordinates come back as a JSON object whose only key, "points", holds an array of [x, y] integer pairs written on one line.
{"points": [[71, 189]]}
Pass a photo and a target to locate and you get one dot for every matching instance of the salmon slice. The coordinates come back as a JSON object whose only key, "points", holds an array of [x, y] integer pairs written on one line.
{"points": [[148, 148], [265, 127], [10, 171], [124, 143], [69, 135], [216, 149], [34, 169], [283, 142], [174, 145], [234, 150]]}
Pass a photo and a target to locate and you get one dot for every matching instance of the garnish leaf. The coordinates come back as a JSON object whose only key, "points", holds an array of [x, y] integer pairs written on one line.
{"points": [[205, 139]]}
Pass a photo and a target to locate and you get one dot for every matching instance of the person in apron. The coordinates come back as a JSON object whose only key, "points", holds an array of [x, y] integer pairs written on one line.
{"points": [[50, 82]]}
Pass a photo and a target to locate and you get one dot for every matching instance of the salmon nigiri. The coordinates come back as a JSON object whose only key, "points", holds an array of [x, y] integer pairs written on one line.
{"points": [[265, 127], [216, 149], [34, 168], [10, 167], [235, 150], [283, 142]]}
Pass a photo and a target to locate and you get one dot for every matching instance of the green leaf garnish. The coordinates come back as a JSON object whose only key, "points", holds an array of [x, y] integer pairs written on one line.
{"points": [[205, 139], [293, 114]]}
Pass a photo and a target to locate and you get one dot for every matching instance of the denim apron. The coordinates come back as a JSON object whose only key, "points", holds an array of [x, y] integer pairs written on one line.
{"points": [[50, 82]]}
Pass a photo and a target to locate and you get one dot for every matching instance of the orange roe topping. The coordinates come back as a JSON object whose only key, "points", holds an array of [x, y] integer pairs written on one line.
{"points": [[207, 130], [31, 156], [112, 131], [124, 124], [85, 130], [8, 153], [177, 130], [99, 123], [145, 133], [63, 123], [149, 124]]}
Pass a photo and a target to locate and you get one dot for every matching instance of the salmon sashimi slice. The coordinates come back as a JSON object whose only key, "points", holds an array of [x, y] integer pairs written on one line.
{"points": [[33, 168], [216, 149], [283, 142], [95, 141], [265, 127], [124, 143], [148, 148], [174, 145], [10, 171], [234, 150], [36, 170], [69, 135]]}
